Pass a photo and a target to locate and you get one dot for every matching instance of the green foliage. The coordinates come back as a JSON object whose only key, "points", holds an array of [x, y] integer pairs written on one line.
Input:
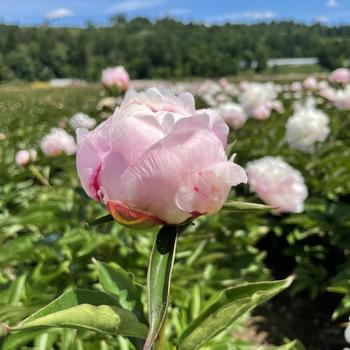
{"points": [[231, 304], [164, 48], [48, 249], [84, 309], [121, 284]]}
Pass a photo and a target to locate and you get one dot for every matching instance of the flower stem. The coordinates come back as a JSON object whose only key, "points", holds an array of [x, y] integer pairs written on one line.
{"points": [[35, 171]]}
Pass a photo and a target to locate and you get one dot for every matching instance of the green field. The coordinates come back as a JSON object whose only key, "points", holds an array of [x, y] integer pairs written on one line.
{"points": [[47, 247]]}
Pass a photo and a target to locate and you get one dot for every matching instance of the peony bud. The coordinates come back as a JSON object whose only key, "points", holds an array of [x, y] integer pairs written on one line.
{"points": [[24, 157], [157, 160], [116, 76], [340, 76], [310, 83]]}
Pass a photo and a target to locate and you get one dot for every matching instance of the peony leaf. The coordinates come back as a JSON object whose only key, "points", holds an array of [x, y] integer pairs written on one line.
{"points": [[158, 280], [101, 220], [86, 309], [245, 206], [121, 284], [293, 345], [17, 290], [231, 304]]}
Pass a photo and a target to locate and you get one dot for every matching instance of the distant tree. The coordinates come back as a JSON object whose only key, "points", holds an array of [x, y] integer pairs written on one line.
{"points": [[164, 48], [261, 59]]}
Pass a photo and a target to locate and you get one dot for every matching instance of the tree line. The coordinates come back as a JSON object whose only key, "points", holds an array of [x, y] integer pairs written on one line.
{"points": [[165, 48]]}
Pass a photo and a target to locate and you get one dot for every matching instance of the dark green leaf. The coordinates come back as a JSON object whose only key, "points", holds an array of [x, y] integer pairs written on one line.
{"points": [[84, 309], [118, 282], [231, 304], [158, 280], [101, 220], [245, 206]]}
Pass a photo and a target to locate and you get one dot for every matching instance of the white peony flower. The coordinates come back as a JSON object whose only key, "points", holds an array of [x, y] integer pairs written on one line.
{"points": [[342, 99], [56, 142], [347, 334], [277, 184], [82, 120], [257, 99], [305, 127], [233, 115]]}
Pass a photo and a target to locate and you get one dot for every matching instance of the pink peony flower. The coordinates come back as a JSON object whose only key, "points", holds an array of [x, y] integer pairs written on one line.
{"points": [[261, 112], [82, 120], [56, 142], [328, 93], [116, 76], [340, 76], [277, 105], [277, 184], [157, 160], [296, 86], [256, 100], [223, 82], [24, 157], [342, 98], [243, 85], [233, 115], [310, 83]]}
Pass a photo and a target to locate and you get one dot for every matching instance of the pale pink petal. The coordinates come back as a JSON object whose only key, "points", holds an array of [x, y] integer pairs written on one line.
{"points": [[88, 166], [209, 189], [229, 172], [153, 182], [114, 165], [216, 124], [133, 136]]}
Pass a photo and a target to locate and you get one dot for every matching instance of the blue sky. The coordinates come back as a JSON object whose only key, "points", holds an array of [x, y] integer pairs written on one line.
{"points": [[78, 12]]}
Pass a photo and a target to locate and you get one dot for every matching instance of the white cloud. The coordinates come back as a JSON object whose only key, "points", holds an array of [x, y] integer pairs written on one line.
{"points": [[133, 5], [244, 16], [260, 14], [332, 3], [59, 13], [321, 19], [178, 12]]}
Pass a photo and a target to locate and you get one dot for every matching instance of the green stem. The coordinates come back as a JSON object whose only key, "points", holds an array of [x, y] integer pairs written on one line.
{"points": [[158, 282], [34, 170]]}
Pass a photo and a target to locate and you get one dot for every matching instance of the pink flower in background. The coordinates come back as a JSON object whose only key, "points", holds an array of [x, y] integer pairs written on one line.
{"points": [[82, 120], [24, 157], [116, 76], [296, 86], [223, 82], [261, 112], [277, 184], [157, 160], [340, 76], [310, 83], [257, 98], [328, 93], [243, 85], [233, 115], [56, 142], [342, 98], [277, 105]]}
